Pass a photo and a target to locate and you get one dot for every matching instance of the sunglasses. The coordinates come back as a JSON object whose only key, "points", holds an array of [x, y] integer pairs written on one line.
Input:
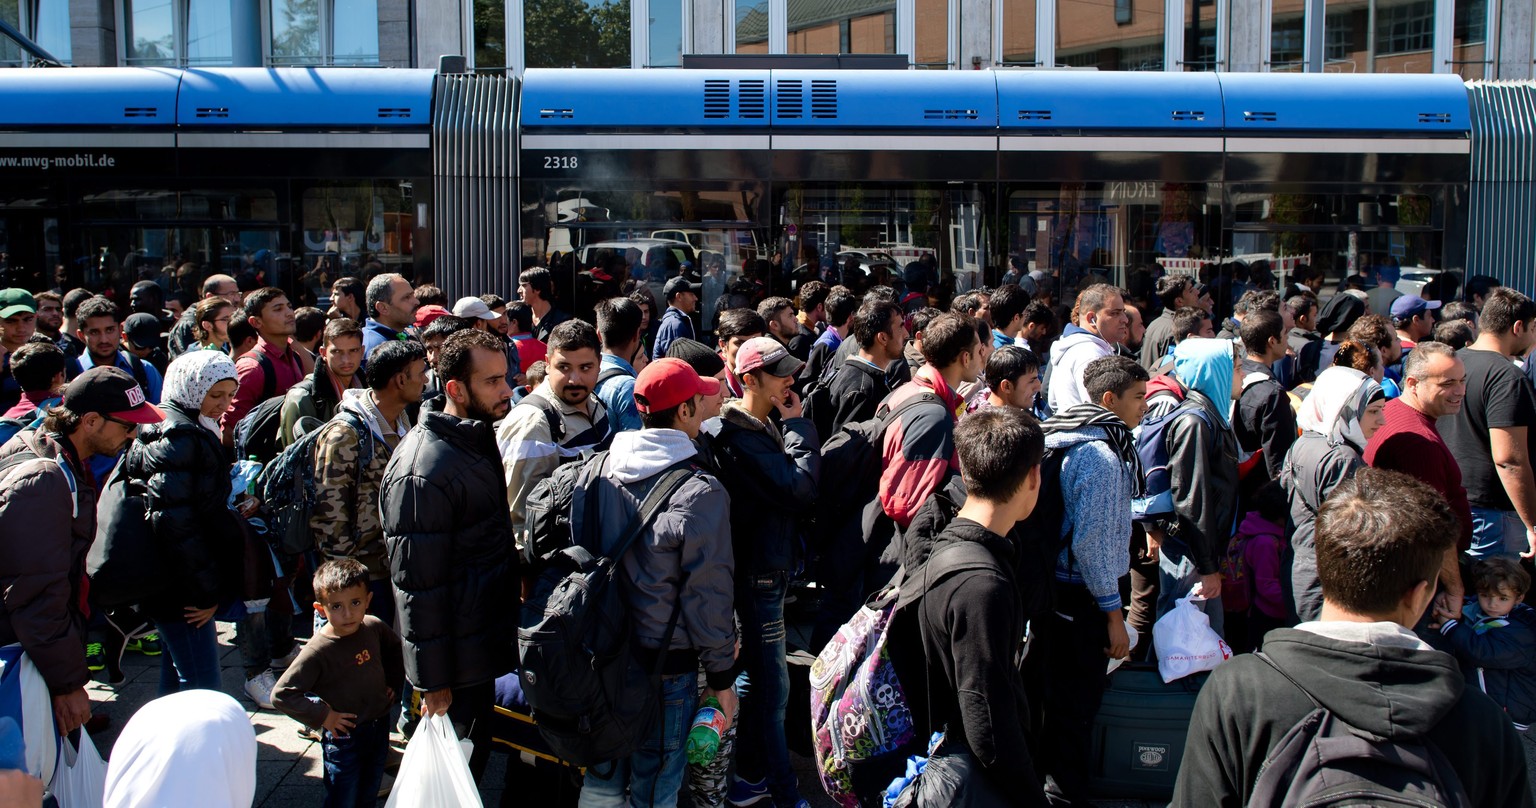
{"points": [[128, 425]]}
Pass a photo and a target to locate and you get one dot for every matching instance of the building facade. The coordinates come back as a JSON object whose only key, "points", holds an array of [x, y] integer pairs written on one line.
{"points": [[1477, 39]]}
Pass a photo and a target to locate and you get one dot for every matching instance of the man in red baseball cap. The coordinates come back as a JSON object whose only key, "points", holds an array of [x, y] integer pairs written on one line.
{"points": [[689, 540], [47, 522]]}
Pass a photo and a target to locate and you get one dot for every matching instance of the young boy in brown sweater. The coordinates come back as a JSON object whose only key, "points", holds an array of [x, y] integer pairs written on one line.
{"points": [[348, 666]]}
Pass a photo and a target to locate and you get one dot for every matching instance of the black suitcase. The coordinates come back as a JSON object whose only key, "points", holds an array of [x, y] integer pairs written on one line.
{"points": [[1138, 736]]}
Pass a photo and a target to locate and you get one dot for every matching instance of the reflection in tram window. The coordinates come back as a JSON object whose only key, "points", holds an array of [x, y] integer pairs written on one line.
{"points": [[1078, 233], [357, 229], [1088, 34], [861, 235]]}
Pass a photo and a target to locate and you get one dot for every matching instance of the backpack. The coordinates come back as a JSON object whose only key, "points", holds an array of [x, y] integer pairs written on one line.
{"points": [[10, 426], [1323, 761], [1234, 574], [547, 514], [287, 486], [597, 437], [123, 562], [258, 433], [852, 459], [859, 709], [588, 693], [1156, 501]]}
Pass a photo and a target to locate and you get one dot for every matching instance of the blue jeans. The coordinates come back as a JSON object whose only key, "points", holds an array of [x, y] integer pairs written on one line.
{"points": [[762, 749], [354, 764], [1497, 534], [191, 656], [653, 775], [1176, 577]]}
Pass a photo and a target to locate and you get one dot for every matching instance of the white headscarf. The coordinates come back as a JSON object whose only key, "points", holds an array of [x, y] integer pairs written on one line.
{"points": [[195, 747], [1333, 408], [191, 376]]}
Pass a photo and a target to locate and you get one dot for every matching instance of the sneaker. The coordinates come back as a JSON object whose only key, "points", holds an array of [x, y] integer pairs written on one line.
{"points": [[281, 663], [259, 689], [309, 733], [146, 644], [95, 657], [746, 792]]}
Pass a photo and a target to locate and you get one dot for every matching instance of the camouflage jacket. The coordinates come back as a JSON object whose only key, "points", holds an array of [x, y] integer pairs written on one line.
{"points": [[345, 516]]}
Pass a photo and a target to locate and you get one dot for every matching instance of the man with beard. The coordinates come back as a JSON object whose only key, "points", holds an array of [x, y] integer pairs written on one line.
{"points": [[558, 420], [444, 518], [47, 522]]}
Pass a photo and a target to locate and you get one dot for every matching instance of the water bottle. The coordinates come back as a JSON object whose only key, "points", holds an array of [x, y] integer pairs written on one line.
{"points": [[250, 485], [709, 723]]}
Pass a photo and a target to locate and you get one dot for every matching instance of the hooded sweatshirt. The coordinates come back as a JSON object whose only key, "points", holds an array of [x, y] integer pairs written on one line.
{"points": [[1069, 357], [1202, 454], [195, 747], [1097, 489], [1205, 365], [1377, 677], [684, 556]]}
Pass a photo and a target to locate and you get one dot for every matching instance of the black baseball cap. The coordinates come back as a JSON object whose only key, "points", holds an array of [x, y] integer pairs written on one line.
{"points": [[680, 284], [110, 391], [142, 329]]}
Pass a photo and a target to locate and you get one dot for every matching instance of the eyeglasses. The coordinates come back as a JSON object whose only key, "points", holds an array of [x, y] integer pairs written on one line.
{"points": [[128, 425]]}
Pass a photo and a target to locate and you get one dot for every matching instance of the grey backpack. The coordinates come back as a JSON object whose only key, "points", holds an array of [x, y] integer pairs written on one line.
{"points": [[1322, 761]]}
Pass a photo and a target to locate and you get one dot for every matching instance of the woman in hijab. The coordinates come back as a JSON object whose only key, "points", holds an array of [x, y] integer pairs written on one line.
{"points": [[1343, 411], [192, 748], [181, 467]]}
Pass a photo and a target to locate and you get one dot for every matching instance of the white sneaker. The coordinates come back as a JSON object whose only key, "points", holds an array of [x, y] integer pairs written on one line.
{"points": [[281, 663], [259, 689]]}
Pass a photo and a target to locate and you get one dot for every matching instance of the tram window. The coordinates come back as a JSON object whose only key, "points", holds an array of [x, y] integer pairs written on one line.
{"points": [[356, 229], [1074, 233]]}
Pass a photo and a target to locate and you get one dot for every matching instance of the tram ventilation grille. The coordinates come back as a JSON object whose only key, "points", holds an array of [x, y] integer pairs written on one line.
{"points": [[212, 112], [1034, 114], [791, 99], [751, 98], [717, 98], [823, 98], [394, 112], [557, 113], [141, 112], [1434, 117], [1189, 115], [950, 114], [1260, 117]]}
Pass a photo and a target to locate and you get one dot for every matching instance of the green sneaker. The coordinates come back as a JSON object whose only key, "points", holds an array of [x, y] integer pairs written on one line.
{"points": [[95, 657], [147, 644]]}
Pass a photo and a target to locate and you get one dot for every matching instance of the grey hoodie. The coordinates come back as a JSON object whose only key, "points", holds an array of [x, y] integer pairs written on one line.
{"points": [[688, 545]]}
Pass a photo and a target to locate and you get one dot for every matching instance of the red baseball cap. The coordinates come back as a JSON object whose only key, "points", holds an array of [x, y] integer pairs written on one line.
{"points": [[426, 314], [666, 383]]}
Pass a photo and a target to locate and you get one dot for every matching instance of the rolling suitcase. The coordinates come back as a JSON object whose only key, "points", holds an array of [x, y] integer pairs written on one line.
{"points": [[1138, 736]]}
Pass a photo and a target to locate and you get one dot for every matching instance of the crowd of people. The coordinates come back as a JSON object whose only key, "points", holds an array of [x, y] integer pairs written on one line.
{"points": [[1342, 483]]}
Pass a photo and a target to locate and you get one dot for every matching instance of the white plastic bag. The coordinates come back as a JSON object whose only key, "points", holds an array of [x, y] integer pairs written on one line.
{"points": [[80, 780], [1130, 631], [434, 772], [1185, 642]]}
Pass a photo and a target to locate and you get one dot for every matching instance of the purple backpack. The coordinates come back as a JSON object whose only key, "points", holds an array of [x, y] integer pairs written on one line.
{"points": [[859, 708]]}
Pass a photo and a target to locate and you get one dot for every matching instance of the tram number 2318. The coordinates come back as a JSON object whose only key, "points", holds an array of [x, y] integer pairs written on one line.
{"points": [[561, 161]]}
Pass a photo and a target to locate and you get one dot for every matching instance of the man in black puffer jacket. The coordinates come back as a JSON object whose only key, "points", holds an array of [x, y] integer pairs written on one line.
{"points": [[444, 510]]}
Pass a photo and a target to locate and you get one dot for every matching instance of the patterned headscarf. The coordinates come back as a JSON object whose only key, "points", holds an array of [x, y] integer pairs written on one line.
{"points": [[1333, 409], [191, 376]]}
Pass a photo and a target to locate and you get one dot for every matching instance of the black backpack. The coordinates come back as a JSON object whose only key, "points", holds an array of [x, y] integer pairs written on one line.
{"points": [[851, 462], [287, 486], [1323, 761], [257, 434], [124, 560], [588, 693]]}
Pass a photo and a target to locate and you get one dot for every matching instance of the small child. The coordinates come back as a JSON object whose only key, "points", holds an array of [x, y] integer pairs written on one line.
{"points": [[1495, 639], [1251, 591], [349, 665]]}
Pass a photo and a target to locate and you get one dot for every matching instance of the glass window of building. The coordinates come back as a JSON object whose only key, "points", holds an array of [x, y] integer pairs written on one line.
{"points": [[10, 54], [1287, 37], [931, 34], [210, 39], [150, 32], [355, 32], [857, 26], [45, 22], [1200, 48], [1018, 33], [1120, 35], [1469, 48], [666, 33], [323, 32], [572, 33], [1380, 36], [751, 22], [490, 26], [295, 29]]}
